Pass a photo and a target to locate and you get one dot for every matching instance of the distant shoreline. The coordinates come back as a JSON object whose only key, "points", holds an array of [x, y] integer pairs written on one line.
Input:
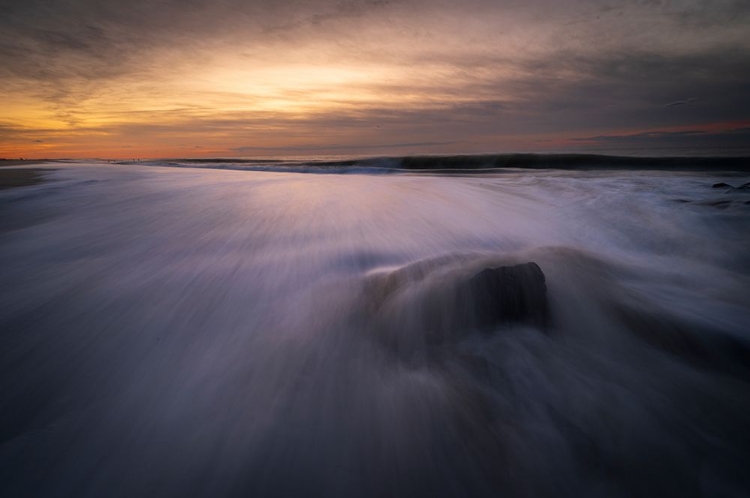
{"points": [[464, 163], [468, 163]]}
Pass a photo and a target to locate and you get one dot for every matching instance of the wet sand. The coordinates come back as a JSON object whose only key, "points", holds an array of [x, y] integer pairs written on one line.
{"points": [[17, 177]]}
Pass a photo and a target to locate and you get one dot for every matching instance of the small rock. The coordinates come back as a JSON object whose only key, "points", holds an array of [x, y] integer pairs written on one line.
{"points": [[718, 204], [506, 294]]}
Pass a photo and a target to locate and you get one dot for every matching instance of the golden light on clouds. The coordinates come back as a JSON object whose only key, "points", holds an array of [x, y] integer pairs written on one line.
{"points": [[365, 77]]}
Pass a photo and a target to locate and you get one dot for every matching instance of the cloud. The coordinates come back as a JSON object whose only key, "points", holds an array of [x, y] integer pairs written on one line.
{"points": [[419, 73], [644, 136], [682, 102], [337, 147], [727, 139]]}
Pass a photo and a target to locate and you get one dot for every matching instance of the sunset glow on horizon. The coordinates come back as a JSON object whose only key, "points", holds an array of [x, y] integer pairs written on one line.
{"points": [[154, 79], [371, 248]]}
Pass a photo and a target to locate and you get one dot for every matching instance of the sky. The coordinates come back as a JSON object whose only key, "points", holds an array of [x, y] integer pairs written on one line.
{"points": [[263, 78]]}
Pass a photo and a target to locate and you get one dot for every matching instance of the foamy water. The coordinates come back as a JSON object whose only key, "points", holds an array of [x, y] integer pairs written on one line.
{"points": [[192, 332]]}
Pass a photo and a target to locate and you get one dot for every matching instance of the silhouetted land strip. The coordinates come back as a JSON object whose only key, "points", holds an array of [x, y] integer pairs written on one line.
{"points": [[479, 163], [220, 160], [573, 162]]}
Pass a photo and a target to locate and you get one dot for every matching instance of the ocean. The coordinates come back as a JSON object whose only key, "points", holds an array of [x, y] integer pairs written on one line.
{"points": [[466, 326]]}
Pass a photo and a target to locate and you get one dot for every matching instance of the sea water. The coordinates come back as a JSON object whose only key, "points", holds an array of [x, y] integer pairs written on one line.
{"points": [[196, 332]]}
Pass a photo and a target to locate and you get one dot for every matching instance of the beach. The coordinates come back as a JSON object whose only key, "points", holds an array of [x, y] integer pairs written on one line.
{"points": [[235, 329]]}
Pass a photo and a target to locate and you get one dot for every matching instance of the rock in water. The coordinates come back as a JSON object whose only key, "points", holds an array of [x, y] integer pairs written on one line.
{"points": [[506, 294], [441, 300], [745, 187]]}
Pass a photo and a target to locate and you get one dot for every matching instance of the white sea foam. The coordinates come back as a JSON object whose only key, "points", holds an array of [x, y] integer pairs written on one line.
{"points": [[190, 332]]}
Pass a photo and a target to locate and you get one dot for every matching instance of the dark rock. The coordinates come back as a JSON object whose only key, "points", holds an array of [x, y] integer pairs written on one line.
{"points": [[441, 300], [506, 294], [745, 187], [718, 204]]}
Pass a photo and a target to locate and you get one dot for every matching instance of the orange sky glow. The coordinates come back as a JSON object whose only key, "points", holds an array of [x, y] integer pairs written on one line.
{"points": [[371, 78]]}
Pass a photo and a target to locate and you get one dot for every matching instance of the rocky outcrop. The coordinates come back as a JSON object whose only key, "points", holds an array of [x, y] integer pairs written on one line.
{"points": [[435, 301], [506, 294], [745, 187]]}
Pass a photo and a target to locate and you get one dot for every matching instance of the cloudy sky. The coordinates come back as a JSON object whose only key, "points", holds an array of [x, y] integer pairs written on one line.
{"points": [[183, 78]]}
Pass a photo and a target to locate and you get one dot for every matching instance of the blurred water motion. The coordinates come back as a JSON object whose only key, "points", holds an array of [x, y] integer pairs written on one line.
{"points": [[188, 332]]}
